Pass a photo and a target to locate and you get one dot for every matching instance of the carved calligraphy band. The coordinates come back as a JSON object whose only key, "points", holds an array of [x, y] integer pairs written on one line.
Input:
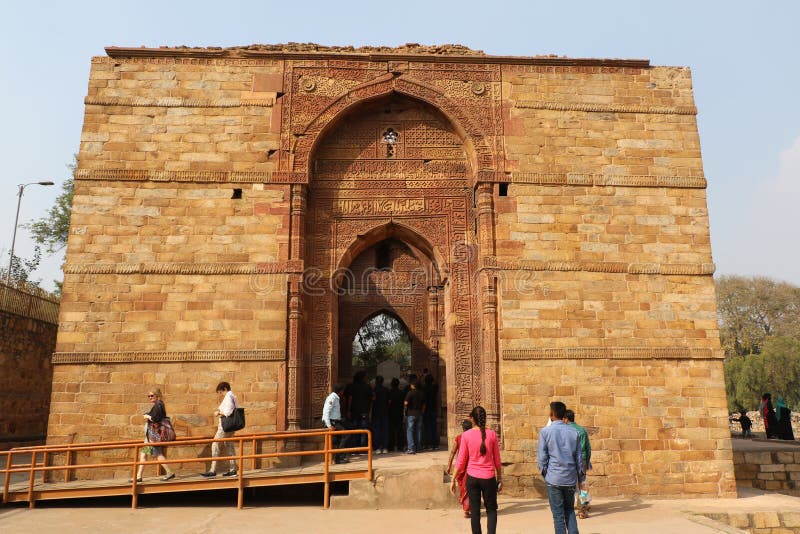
{"points": [[61, 358]]}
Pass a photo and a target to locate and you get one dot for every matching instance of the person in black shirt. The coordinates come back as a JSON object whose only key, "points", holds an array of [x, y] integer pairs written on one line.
{"points": [[396, 404], [380, 417], [360, 400], [415, 407], [429, 418]]}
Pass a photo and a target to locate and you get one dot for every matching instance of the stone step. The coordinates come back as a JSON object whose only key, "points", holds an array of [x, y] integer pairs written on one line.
{"points": [[414, 488]]}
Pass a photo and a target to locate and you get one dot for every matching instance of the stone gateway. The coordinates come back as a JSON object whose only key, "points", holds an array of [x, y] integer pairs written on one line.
{"points": [[538, 225]]}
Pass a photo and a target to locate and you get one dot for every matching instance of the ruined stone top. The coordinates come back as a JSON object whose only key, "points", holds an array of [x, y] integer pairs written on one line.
{"points": [[409, 51]]}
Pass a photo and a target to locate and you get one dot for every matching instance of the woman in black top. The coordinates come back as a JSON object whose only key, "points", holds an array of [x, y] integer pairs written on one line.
{"points": [[156, 414]]}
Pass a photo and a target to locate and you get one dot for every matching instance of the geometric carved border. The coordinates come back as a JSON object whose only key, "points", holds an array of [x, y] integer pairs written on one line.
{"points": [[177, 102], [640, 180], [169, 356], [141, 175], [677, 269], [606, 108], [613, 353], [278, 267]]}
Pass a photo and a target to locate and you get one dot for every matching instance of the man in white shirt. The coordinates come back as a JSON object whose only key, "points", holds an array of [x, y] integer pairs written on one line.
{"points": [[227, 406], [332, 419]]}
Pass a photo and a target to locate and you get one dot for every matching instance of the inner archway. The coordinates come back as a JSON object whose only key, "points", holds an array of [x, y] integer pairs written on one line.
{"points": [[382, 338]]}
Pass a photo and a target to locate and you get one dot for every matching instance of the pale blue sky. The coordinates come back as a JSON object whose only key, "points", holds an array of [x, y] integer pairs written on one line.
{"points": [[743, 55]]}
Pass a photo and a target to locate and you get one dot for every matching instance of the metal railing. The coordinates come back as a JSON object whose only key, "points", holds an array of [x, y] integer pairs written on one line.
{"points": [[27, 304], [46, 453]]}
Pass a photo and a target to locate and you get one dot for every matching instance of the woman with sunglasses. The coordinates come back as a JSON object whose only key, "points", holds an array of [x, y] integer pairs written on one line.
{"points": [[156, 414]]}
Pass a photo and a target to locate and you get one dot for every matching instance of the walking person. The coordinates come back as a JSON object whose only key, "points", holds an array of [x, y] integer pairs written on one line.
{"points": [[463, 498], [561, 464], [153, 418], [227, 406], [332, 419], [415, 406], [380, 417], [479, 456], [396, 404], [582, 489]]}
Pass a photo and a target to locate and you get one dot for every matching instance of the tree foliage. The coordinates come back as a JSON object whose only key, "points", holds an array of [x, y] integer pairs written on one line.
{"points": [[776, 370], [759, 322], [381, 338], [52, 230]]}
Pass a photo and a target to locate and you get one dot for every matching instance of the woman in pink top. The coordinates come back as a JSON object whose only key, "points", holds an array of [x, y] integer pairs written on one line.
{"points": [[479, 454]]}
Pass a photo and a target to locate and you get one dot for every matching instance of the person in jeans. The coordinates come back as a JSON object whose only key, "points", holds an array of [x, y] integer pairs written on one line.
{"points": [[479, 455], [380, 417], [586, 453], [332, 419], [226, 407], [415, 406], [561, 464]]}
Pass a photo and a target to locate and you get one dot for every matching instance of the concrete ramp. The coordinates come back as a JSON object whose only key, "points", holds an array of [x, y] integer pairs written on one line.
{"points": [[415, 482]]}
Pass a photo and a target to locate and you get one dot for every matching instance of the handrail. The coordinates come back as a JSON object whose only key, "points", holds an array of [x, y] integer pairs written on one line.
{"points": [[327, 451], [85, 444]]}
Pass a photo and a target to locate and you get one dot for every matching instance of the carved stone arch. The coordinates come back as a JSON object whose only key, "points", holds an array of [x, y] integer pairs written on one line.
{"points": [[426, 253], [479, 153]]}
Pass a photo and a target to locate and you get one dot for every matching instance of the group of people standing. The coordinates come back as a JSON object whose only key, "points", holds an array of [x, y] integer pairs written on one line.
{"points": [[397, 417], [777, 419]]}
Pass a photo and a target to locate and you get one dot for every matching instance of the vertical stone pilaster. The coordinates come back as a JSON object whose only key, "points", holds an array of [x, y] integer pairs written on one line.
{"points": [[488, 299], [295, 368]]}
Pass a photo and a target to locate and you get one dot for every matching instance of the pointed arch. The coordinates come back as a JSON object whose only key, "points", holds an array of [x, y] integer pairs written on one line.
{"points": [[427, 254], [479, 153]]}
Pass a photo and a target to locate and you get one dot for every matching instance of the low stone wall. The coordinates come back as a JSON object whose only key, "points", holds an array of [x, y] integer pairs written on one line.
{"points": [[768, 470], [28, 325], [759, 522]]}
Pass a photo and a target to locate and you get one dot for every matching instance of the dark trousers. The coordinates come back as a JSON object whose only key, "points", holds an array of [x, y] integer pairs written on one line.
{"points": [[488, 488], [562, 506], [431, 429], [396, 433], [341, 442], [380, 432]]}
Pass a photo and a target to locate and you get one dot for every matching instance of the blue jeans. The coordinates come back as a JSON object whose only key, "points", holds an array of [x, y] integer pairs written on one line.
{"points": [[413, 432], [380, 432], [360, 421], [562, 505]]}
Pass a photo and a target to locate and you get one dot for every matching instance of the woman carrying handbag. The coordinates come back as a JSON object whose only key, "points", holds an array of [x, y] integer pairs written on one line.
{"points": [[158, 428]]}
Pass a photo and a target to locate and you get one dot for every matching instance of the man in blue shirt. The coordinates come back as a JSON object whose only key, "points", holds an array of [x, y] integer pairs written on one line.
{"points": [[561, 464]]}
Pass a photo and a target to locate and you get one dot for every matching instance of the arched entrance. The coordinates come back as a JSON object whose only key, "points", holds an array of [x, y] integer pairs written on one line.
{"points": [[382, 345], [391, 225]]}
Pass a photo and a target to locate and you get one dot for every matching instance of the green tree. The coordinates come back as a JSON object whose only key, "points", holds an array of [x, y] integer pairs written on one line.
{"points": [[753, 309], [381, 338], [775, 370]]}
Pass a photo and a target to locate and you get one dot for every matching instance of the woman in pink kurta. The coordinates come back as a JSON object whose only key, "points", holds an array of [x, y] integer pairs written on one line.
{"points": [[479, 457]]}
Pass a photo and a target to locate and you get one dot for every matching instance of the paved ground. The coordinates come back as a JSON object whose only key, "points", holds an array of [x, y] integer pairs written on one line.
{"points": [[215, 513]]}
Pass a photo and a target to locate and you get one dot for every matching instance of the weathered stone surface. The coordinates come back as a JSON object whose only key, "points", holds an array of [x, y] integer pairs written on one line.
{"points": [[539, 225]]}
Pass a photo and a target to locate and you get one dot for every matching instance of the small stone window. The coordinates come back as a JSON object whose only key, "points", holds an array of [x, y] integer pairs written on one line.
{"points": [[237, 193], [503, 190], [390, 138]]}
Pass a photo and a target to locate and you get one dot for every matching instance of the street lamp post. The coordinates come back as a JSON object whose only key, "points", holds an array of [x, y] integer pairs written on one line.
{"points": [[16, 222]]}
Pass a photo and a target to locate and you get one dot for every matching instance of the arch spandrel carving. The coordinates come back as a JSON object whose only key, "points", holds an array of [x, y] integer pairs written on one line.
{"points": [[308, 117]]}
